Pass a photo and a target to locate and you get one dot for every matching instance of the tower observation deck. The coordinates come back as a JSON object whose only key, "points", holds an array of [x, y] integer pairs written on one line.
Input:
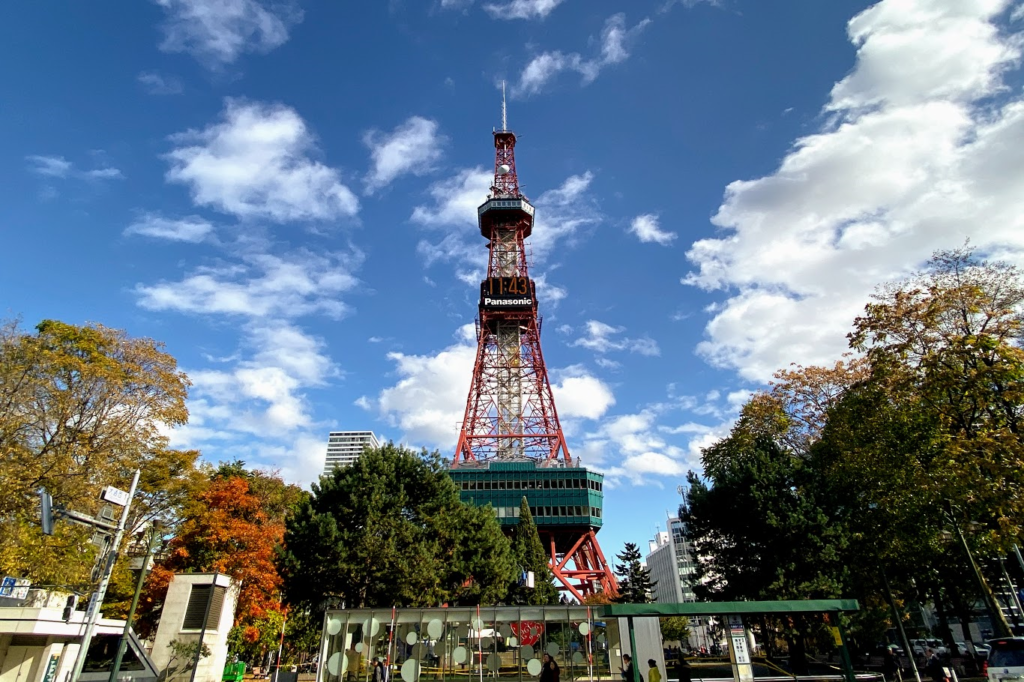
{"points": [[511, 444]]}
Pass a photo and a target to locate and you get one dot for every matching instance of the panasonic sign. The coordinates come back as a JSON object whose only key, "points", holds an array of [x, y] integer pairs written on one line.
{"points": [[507, 302]]}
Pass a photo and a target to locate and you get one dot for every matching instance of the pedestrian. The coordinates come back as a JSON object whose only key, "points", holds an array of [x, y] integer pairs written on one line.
{"points": [[890, 666], [653, 674], [380, 671], [684, 672], [933, 666], [549, 669], [627, 670]]}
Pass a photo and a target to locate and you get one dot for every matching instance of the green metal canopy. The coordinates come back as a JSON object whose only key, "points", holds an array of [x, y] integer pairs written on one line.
{"points": [[728, 608]]}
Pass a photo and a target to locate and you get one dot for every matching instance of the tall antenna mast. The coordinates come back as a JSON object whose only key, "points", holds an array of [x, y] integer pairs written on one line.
{"points": [[504, 118]]}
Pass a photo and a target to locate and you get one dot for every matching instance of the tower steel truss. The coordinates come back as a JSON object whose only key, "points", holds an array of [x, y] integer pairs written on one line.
{"points": [[510, 412]]}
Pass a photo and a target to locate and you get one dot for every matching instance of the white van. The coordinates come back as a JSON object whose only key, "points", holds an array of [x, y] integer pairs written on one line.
{"points": [[1005, 659]]}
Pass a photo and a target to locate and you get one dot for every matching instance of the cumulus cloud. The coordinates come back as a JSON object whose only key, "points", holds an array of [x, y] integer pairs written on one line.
{"points": [[647, 229], [217, 33], [413, 147], [923, 150], [628, 447], [257, 163], [604, 338], [429, 400], [189, 229], [260, 285], [261, 395], [522, 9], [156, 84], [615, 40]]}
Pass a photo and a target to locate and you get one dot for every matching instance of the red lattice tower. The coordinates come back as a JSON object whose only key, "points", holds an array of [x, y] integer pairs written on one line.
{"points": [[510, 413]]}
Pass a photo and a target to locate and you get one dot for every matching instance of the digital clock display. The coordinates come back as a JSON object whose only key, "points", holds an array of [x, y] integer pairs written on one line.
{"points": [[507, 292]]}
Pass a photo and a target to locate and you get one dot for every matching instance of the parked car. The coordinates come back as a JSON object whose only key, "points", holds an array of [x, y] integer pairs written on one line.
{"points": [[920, 646], [982, 650], [1005, 659]]}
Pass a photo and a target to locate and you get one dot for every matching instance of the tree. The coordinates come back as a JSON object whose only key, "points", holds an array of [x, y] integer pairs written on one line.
{"points": [[675, 629], [233, 526], [947, 343], [529, 555], [80, 407], [635, 585], [391, 530]]}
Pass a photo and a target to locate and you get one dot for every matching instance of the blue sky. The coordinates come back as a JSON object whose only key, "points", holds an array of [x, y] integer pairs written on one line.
{"points": [[285, 194]]}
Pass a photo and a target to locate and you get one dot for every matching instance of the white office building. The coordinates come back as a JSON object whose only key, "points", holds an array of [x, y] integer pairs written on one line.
{"points": [[344, 447]]}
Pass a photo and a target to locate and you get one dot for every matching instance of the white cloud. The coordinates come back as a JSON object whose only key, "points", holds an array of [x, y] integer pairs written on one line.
{"points": [[156, 84], [59, 167], [628, 447], [429, 400], [578, 394], [217, 33], [615, 39], [604, 338], [189, 229], [256, 163], [262, 395], [413, 147], [923, 151], [456, 199], [261, 285], [522, 9], [49, 166], [647, 229]]}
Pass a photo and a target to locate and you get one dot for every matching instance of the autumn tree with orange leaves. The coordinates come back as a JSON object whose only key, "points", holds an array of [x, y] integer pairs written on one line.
{"points": [[232, 526]]}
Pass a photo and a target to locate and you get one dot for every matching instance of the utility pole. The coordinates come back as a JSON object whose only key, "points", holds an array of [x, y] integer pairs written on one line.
{"points": [[123, 641], [101, 591]]}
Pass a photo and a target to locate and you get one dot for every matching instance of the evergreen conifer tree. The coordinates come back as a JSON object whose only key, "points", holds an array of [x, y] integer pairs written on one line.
{"points": [[528, 551], [635, 584]]}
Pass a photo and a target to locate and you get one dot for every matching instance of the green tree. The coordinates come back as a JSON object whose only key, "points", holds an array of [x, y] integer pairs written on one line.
{"points": [[391, 530], [529, 555], [635, 585], [675, 629], [80, 407]]}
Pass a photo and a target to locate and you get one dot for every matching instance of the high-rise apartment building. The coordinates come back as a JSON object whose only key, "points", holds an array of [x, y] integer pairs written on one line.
{"points": [[344, 447], [673, 563]]}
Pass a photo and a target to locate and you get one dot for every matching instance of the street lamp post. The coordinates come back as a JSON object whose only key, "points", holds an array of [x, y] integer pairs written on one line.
{"points": [[999, 625]]}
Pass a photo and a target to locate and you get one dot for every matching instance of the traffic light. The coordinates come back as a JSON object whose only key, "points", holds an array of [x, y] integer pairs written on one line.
{"points": [[46, 511], [69, 607]]}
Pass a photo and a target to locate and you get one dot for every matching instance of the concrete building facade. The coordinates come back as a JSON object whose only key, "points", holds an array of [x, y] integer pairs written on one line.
{"points": [[344, 447], [199, 607]]}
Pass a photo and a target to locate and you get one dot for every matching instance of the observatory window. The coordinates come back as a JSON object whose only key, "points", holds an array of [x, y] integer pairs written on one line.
{"points": [[501, 485], [515, 512], [578, 511], [547, 483]]}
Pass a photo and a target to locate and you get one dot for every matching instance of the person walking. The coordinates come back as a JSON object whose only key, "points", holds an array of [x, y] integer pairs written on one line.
{"points": [[627, 670], [890, 666], [549, 669], [933, 666], [653, 674]]}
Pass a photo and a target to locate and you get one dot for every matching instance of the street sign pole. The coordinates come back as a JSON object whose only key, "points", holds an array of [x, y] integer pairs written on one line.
{"points": [[101, 591], [123, 642]]}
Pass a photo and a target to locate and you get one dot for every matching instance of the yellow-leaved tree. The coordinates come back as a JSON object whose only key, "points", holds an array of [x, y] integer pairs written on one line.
{"points": [[80, 407]]}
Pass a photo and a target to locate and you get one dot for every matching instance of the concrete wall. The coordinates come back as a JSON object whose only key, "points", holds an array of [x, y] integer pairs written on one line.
{"points": [[216, 636]]}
